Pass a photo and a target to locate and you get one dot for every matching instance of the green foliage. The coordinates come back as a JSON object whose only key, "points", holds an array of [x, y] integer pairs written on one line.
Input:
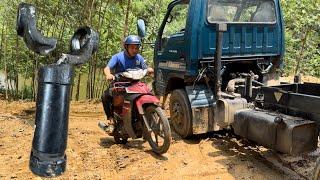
{"points": [[302, 22], [25, 93], [59, 19]]}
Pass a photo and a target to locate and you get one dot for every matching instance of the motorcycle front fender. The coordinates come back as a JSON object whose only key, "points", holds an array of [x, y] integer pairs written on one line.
{"points": [[146, 99]]}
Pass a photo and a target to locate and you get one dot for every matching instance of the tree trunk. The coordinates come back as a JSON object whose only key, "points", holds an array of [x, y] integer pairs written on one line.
{"points": [[33, 86], [100, 81], [2, 51], [88, 17], [89, 82], [5, 48], [301, 54], [94, 89], [35, 78], [62, 31], [94, 75], [78, 87], [6, 78], [91, 9], [24, 84], [16, 73], [125, 29]]}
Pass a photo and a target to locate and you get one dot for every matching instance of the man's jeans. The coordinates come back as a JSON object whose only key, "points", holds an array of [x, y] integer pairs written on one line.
{"points": [[107, 103]]}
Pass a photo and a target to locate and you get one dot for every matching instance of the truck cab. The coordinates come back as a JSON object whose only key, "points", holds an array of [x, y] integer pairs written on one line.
{"points": [[186, 46]]}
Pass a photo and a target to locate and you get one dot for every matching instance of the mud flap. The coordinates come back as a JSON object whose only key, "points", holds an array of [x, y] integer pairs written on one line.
{"points": [[202, 103]]}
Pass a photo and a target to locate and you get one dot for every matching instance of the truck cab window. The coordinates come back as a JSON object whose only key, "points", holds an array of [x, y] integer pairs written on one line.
{"points": [[255, 11], [176, 23]]}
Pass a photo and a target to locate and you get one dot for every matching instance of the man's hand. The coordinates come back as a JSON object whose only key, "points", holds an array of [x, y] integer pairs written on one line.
{"points": [[107, 72], [109, 77]]}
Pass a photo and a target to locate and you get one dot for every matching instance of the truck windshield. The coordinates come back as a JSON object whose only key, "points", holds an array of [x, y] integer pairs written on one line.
{"points": [[241, 11]]}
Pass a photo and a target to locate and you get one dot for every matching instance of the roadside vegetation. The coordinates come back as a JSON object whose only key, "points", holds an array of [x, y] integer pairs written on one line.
{"points": [[114, 19]]}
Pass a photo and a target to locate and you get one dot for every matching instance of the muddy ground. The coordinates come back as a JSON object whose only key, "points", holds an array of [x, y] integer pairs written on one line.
{"points": [[94, 155]]}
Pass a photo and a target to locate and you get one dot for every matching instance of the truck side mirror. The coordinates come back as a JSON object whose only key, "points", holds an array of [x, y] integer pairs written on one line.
{"points": [[141, 28]]}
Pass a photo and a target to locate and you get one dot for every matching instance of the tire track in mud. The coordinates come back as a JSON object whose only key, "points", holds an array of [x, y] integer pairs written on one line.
{"points": [[293, 166]]}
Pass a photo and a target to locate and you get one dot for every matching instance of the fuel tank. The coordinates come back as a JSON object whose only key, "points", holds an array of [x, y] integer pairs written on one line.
{"points": [[286, 134]]}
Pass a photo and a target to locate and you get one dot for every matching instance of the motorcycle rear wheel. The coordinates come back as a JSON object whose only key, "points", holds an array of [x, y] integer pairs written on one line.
{"points": [[160, 136]]}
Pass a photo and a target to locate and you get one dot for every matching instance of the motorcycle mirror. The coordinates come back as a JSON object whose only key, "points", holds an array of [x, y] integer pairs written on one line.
{"points": [[26, 28], [141, 28]]}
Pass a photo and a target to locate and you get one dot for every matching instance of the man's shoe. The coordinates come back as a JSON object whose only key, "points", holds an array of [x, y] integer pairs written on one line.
{"points": [[107, 128], [110, 129], [102, 125]]}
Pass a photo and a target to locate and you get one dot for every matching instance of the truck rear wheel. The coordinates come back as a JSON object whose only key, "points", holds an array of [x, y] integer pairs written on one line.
{"points": [[180, 113]]}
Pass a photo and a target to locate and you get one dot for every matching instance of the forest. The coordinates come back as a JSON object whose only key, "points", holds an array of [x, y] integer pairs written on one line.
{"points": [[114, 20]]}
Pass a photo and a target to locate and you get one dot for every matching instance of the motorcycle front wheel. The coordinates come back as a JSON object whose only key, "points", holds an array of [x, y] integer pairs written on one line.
{"points": [[160, 136]]}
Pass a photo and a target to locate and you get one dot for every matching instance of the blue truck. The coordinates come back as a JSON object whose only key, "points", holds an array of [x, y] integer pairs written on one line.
{"points": [[217, 60]]}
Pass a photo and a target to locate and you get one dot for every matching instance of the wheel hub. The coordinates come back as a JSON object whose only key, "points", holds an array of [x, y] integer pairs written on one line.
{"points": [[177, 113]]}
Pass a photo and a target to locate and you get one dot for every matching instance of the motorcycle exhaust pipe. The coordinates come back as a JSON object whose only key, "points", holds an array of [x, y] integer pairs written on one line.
{"points": [[220, 28], [48, 156]]}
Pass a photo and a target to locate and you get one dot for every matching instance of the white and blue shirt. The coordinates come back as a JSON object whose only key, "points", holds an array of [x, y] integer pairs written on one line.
{"points": [[121, 62]]}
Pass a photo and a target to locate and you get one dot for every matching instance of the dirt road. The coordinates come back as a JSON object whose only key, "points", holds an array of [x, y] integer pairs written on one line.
{"points": [[94, 155]]}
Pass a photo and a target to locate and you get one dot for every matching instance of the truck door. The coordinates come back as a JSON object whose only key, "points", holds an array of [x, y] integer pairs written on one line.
{"points": [[170, 51]]}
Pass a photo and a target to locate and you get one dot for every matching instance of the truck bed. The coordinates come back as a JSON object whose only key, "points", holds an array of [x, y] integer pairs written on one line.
{"points": [[294, 99]]}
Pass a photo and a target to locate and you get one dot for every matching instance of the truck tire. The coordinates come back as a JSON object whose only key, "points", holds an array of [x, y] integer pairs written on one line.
{"points": [[181, 113]]}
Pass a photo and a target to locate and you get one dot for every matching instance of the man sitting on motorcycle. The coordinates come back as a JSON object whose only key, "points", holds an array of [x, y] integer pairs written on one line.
{"points": [[121, 62]]}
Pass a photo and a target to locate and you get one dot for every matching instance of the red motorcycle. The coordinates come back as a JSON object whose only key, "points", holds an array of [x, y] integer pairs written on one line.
{"points": [[137, 112]]}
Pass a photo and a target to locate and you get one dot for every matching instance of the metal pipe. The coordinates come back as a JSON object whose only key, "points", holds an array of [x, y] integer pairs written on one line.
{"points": [[26, 27], [232, 83], [83, 44], [48, 156], [220, 28], [248, 86]]}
